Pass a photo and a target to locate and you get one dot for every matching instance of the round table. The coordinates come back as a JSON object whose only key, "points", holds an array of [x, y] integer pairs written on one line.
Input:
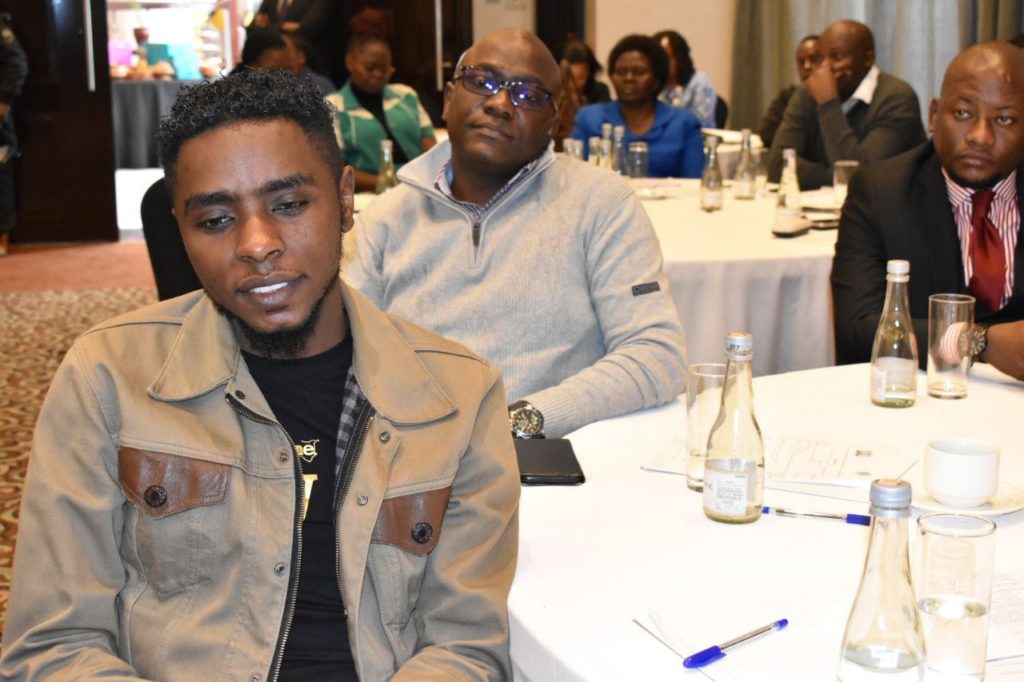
{"points": [[727, 272], [629, 541]]}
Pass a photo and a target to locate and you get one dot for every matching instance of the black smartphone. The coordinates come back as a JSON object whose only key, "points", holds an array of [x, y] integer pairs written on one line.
{"points": [[548, 461]]}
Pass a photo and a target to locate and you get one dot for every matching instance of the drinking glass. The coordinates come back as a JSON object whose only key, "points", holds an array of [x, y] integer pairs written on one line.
{"points": [[954, 589], [704, 383], [841, 174], [638, 154], [950, 321]]}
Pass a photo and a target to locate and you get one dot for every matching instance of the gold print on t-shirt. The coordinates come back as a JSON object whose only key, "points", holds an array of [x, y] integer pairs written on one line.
{"points": [[306, 450]]}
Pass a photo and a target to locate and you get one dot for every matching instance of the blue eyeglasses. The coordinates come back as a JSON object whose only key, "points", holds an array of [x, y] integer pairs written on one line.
{"points": [[524, 95]]}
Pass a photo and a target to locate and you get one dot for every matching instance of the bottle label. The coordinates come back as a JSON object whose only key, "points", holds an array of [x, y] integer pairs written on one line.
{"points": [[878, 377], [711, 198], [725, 492]]}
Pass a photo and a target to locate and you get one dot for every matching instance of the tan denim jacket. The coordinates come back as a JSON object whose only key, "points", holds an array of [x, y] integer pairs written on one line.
{"points": [[157, 523]]}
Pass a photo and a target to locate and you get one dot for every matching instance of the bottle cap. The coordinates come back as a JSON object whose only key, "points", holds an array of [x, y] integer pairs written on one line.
{"points": [[898, 267], [739, 343], [789, 153], [385, 145], [890, 498], [619, 130]]}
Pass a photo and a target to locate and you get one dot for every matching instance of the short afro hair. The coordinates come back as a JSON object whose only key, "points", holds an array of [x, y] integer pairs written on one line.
{"points": [[249, 96], [647, 46]]}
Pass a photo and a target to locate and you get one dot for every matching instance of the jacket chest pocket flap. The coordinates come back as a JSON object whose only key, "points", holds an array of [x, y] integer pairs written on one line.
{"points": [[180, 534], [160, 484], [412, 522]]}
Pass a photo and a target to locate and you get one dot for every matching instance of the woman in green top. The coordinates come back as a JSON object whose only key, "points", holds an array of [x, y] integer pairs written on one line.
{"points": [[370, 110]]}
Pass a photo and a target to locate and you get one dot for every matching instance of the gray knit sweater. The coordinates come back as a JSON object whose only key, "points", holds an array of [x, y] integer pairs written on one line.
{"points": [[564, 292]]}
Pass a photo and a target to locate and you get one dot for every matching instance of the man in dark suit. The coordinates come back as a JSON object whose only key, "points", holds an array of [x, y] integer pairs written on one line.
{"points": [[952, 208], [846, 110]]}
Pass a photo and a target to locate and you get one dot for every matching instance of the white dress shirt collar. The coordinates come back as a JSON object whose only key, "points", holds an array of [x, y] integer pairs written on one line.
{"points": [[865, 91]]}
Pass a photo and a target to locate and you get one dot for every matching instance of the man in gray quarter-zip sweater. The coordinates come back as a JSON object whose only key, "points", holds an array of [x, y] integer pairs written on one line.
{"points": [[547, 267]]}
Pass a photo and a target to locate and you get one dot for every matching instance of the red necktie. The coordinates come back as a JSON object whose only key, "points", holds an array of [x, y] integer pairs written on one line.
{"points": [[987, 256]]}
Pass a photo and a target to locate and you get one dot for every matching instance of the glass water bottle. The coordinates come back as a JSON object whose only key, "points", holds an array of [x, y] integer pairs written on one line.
{"points": [[787, 206], [711, 179], [386, 178], [883, 638], [734, 469], [619, 154], [894, 353], [744, 185]]}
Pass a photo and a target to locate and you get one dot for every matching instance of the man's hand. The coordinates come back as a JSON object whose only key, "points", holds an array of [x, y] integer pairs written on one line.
{"points": [[261, 20], [290, 26], [1006, 348], [821, 84]]}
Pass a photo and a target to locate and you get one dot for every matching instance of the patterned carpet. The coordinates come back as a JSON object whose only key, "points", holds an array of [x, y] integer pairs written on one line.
{"points": [[37, 329]]}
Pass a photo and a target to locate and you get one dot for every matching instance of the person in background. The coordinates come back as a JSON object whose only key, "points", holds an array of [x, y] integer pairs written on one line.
{"points": [[268, 479], [304, 62], [13, 71], [685, 86], [807, 57], [847, 109], [584, 67], [321, 23], [545, 266], [952, 207], [638, 68], [265, 49], [369, 109]]}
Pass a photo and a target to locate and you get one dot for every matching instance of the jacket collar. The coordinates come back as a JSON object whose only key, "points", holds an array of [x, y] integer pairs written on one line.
{"points": [[205, 355], [939, 225]]}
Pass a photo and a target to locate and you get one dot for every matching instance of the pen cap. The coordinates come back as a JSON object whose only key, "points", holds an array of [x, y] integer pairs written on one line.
{"points": [[890, 498]]}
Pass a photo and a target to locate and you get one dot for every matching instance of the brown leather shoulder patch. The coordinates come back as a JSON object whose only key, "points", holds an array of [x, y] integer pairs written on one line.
{"points": [[412, 522], [160, 484]]}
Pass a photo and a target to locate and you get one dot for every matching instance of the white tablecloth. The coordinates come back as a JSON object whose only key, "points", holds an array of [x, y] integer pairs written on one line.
{"points": [[728, 273], [595, 556]]}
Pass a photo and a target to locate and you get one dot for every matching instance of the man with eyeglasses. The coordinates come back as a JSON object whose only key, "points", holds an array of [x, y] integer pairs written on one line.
{"points": [[547, 267]]}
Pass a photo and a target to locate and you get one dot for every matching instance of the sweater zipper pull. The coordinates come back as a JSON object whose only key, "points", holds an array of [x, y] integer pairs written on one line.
{"points": [[476, 233]]}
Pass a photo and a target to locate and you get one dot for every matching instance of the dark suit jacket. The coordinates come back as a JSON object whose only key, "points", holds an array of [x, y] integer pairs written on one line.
{"points": [[313, 16], [899, 208], [823, 135]]}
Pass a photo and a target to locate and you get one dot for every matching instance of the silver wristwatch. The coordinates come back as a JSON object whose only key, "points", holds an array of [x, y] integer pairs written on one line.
{"points": [[525, 420]]}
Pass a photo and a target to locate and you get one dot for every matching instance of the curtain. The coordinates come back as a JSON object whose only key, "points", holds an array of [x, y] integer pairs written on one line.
{"points": [[914, 40]]}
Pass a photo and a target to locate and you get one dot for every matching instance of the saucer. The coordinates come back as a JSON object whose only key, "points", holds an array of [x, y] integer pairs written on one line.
{"points": [[651, 193], [1008, 499]]}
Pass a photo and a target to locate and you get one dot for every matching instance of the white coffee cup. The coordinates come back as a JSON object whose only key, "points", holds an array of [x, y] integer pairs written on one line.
{"points": [[961, 472]]}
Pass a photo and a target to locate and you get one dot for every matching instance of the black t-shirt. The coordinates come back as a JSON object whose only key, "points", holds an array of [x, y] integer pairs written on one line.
{"points": [[306, 396]]}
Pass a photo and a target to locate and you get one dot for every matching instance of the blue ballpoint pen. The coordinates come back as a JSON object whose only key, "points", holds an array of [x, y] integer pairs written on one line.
{"points": [[712, 654], [857, 519]]}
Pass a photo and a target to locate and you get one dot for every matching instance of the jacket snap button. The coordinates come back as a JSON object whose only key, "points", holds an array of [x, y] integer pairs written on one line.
{"points": [[283, 455], [255, 678], [362, 500], [155, 496], [385, 436], [240, 395], [422, 532], [280, 569]]}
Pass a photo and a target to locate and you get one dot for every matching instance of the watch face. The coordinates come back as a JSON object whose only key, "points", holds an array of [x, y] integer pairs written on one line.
{"points": [[527, 421]]}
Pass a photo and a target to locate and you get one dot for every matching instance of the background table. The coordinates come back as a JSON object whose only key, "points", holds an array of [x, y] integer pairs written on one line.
{"points": [[595, 556], [137, 107], [728, 273]]}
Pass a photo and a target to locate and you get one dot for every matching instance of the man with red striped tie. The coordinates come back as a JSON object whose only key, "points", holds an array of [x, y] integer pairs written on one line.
{"points": [[952, 207]]}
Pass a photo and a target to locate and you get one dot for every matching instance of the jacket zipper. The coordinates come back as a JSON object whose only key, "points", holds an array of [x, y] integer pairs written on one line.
{"points": [[347, 472], [293, 580], [476, 234]]}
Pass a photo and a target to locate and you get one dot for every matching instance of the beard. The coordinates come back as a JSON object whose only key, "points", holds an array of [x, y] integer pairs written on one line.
{"points": [[284, 344], [975, 184]]}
